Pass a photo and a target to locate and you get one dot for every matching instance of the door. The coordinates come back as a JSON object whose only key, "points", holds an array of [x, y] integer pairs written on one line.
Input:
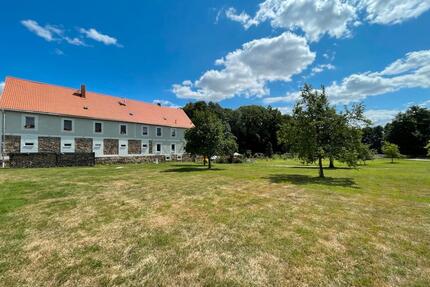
{"points": [[98, 147], [123, 147]]}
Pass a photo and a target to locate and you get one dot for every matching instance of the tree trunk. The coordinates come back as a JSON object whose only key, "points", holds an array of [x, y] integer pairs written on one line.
{"points": [[209, 163], [392, 160], [321, 167], [331, 165]]}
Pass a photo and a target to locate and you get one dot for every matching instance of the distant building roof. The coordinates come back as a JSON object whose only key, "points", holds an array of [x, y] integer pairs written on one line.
{"points": [[30, 96]]}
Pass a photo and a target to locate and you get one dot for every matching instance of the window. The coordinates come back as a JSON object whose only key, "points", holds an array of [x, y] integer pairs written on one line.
{"points": [[67, 125], [159, 132], [123, 129], [145, 130], [173, 132], [158, 147], [30, 122], [68, 145], [29, 144], [173, 147], [98, 127]]}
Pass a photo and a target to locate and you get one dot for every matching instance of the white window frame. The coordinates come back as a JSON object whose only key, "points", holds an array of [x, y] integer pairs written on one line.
{"points": [[161, 134], [176, 132], [126, 129], [36, 122], [62, 125], [147, 131], [94, 127]]}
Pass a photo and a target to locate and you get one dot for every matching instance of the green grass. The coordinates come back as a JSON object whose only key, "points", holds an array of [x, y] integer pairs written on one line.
{"points": [[261, 224]]}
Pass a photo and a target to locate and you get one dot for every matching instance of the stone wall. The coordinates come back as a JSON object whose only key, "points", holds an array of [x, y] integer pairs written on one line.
{"points": [[12, 144], [134, 146], [49, 144], [83, 145], [27, 160], [110, 146]]}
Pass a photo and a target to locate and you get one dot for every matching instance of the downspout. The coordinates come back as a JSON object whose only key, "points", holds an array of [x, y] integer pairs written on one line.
{"points": [[3, 139]]}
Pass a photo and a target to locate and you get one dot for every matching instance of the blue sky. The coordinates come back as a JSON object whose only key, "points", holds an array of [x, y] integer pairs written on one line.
{"points": [[234, 52]]}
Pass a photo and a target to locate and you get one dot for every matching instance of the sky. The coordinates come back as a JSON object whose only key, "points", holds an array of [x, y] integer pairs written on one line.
{"points": [[375, 52]]}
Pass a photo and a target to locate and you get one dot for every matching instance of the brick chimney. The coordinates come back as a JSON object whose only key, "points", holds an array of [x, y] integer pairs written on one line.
{"points": [[83, 91]]}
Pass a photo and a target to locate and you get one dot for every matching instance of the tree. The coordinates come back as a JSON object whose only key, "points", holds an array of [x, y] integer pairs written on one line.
{"points": [[269, 149], [317, 132], [428, 148], [391, 150], [410, 131], [209, 137], [374, 137], [365, 153]]}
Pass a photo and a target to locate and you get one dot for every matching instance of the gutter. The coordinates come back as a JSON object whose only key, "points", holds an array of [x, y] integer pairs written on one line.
{"points": [[3, 139]]}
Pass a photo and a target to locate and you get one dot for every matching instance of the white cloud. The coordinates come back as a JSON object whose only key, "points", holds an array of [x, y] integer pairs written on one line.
{"points": [[99, 37], [247, 71], [381, 117], [242, 18], [333, 17], [46, 32], [321, 68], [412, 71], [284, 110], [51, 33], [1, 87], [314, 17], [165, 103], [290, 97], [393, 11]]}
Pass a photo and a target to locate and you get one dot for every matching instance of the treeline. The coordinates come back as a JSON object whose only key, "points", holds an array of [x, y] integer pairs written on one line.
{"points": [[256, 129], [409, 130]]}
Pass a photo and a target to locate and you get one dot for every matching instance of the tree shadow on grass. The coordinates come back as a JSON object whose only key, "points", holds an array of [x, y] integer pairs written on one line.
{"points": [[192, 169], [299, 179], [316, 167]]}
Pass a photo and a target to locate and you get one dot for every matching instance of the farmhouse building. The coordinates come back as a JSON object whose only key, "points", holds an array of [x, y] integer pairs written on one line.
{"points": [[39, 117]]}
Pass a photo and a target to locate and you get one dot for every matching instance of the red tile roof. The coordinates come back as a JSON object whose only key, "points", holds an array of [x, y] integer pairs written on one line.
{"points": [[29, 96]]}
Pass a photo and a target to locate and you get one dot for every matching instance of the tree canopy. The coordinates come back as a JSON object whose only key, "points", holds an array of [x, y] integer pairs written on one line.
{"points": [[410, 131], [316, 131], [209, 137], [391, 150]]}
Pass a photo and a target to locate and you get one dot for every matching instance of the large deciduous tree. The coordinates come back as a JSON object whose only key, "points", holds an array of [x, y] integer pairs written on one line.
{"points": [[209, 137], [317, 132], [410, 131]]}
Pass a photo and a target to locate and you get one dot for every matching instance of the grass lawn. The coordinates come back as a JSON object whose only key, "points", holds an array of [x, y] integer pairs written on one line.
{"points": [[261, 224]]}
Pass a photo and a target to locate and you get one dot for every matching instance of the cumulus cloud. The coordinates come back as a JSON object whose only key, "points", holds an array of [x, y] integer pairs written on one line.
{"points": [[99, 37], [412, 71], [381, 117], [289, 98], [247, 71], [1, 87], [314, 17], [333, 17], [393, 11]]}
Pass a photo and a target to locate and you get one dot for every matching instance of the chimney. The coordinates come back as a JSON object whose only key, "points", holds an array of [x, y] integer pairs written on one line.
{"points": [[83, 91], [159, 104]]}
